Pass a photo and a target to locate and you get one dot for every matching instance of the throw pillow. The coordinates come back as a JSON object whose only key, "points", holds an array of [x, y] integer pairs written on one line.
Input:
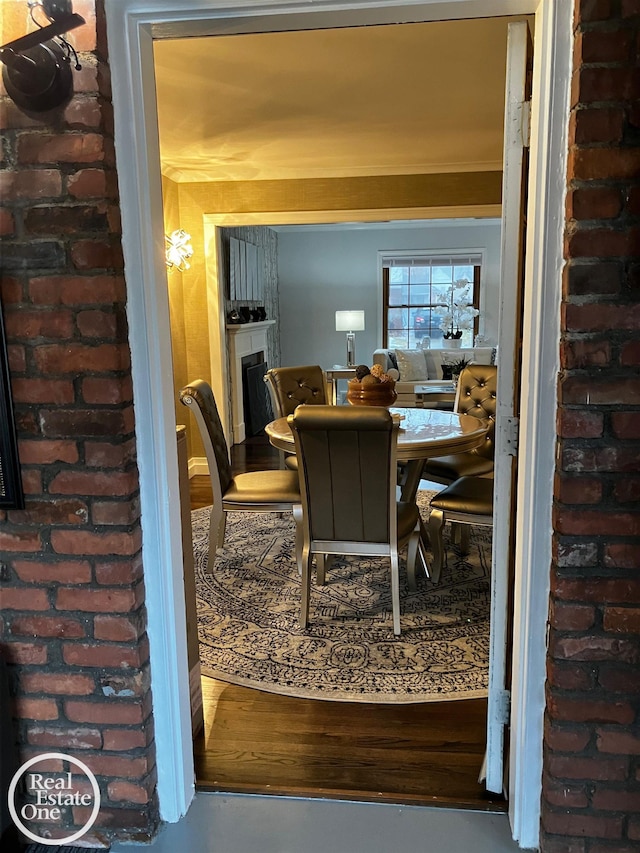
{"points": [[412, 365]]}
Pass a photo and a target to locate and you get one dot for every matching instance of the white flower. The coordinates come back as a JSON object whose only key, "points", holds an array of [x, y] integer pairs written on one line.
{"points": [[459, 314]]}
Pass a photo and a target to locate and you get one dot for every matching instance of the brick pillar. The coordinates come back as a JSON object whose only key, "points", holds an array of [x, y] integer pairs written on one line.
{"points": [[591, 782], [73, 626]]}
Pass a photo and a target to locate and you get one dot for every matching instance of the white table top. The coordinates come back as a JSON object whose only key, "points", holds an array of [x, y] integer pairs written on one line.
{"points": [[424, 433]]}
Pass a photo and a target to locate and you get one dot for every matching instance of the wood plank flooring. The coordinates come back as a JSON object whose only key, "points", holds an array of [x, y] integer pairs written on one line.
{"points": [[258, 742]]}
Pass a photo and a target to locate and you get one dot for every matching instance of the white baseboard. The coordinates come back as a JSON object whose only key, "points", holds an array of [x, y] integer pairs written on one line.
{"points": [[198, 465]]}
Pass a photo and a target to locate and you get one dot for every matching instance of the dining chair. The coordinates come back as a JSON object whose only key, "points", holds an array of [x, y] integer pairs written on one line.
{"points": [[347, 469], [254, 491], [466, 501], [476, 396], [290, 387]]}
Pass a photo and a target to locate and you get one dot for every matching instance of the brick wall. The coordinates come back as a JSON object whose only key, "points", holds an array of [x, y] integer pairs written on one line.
{"points": [[591, 785], [71, 591]]}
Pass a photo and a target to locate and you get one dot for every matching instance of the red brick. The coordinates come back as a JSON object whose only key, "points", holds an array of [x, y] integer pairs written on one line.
{"points": [[627, 490], [609, 164], [593, 10], [88, 422], [563, 845], [594, 203], [107, 455], [25, 540], [630, 353], [25, 598], [602, 243], [67, 738], [580, 424], [115, 629], [594, 317], [57, 683], [582, 711], [622, 620], [36, 709], [562, 739], [622, 556], [618, 742], [615, 800], [584, 521], [82, 482], [48, 626], [77, 290], [111, 713], [119, 572], [578, 490], [103, 655], [53, 572], [116, 765], [97, 254], [122, 791], [7, 224], [88, 183], [569, 676], [30, 184], [79, 359], [599, 391], [97, 324], [626, 424], [45, 452], [60, 148], [124, 740], [107, 391], [585, 353], [572, 617], [565, 796], [597, 85], [587, 826], [630, 8], [596, 125], [78, 542], [70, 511], [25, 653], [83, 114], [606, 45], [597, 590], [595, 648], [115, 512], [95, 600], [50, 391]]}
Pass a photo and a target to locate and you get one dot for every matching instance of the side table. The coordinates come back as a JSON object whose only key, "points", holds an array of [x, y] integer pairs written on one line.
{"points": [[336, 373]]}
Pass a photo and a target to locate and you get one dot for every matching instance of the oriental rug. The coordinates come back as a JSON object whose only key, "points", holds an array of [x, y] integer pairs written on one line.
{"points": [[250, 635]]}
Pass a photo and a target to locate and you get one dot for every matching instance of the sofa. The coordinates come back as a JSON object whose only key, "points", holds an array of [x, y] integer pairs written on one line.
{"points": [[424, 367]]}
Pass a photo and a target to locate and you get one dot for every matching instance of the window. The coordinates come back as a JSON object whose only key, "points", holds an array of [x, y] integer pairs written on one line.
{"points": [[416, 290]]}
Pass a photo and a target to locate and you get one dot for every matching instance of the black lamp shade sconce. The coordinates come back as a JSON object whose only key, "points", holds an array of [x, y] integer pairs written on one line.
{"points": [[36, 69]]}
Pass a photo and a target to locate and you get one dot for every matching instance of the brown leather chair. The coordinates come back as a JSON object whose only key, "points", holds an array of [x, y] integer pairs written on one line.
{"points": [[476, 395], [290, 387], [255, 491], [468, 500], [347, 468]]}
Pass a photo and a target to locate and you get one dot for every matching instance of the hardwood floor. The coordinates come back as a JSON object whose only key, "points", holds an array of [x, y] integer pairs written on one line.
{"points": [[258, 742]]}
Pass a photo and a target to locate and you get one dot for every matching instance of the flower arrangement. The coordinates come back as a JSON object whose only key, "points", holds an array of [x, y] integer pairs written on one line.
{"points": [[458, 315]]}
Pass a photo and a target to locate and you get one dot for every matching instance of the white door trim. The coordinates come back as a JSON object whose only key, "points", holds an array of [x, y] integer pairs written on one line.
{"points": [[130, 24]]}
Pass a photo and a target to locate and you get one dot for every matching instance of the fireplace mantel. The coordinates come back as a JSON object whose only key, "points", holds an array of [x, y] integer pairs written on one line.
{"points": [[244, 339]]}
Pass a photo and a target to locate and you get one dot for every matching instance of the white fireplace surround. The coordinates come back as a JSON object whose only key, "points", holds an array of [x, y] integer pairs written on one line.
{"points": [[244, 339]]}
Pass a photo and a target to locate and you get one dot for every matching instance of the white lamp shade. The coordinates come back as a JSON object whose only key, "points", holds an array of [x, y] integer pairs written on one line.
{"points": [[349, 321]]}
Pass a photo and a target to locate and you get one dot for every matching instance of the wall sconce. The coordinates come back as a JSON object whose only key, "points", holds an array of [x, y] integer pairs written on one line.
{"points": [[350, 322], [37, 70], [178, 250]]}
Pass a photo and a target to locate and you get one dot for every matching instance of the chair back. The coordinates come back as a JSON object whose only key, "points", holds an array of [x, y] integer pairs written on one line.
{"points": [[290, 387], [476, 396], [347, 469], [198, 397]]}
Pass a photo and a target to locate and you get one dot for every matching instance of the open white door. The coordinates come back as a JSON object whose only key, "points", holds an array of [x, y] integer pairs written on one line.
{"points": [[514, 184]]}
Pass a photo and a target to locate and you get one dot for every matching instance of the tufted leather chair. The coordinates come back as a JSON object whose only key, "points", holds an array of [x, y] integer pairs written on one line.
{"points": [[347, 468], [255, 491], [476, 395], [290, 387]]}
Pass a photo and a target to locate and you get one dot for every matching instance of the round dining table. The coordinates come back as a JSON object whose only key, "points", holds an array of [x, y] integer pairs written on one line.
{"points": [[423, 434]]}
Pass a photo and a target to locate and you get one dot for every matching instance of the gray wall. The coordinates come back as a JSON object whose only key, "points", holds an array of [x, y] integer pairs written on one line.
{"points": [[323, 269]]}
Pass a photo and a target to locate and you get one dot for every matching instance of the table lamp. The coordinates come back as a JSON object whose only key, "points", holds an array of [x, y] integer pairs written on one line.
{"points": [[350, 322]]}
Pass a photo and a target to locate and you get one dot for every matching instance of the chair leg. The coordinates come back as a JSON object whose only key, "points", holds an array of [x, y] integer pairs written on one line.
{"points": [[321, 566], [465, 538], [217, 528], [297, 517], [412, 557], [305, 586], [435, 526], [395, 591]]}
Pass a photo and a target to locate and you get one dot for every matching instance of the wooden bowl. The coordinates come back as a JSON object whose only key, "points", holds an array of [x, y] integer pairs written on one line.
{"points": [[383, 394]]}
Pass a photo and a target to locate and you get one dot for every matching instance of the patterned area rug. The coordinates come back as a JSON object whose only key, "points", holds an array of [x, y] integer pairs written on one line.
{"points": [[250, 635]]}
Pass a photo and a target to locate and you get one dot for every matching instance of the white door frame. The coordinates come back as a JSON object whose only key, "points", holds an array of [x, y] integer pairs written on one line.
{"points": [[131, 28]]}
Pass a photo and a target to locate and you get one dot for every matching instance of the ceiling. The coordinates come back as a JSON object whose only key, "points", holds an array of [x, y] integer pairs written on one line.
{"points": [[377, 100]]}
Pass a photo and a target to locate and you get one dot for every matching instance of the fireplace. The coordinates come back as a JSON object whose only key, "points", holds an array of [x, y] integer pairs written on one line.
{"points": [[248, 342]]}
